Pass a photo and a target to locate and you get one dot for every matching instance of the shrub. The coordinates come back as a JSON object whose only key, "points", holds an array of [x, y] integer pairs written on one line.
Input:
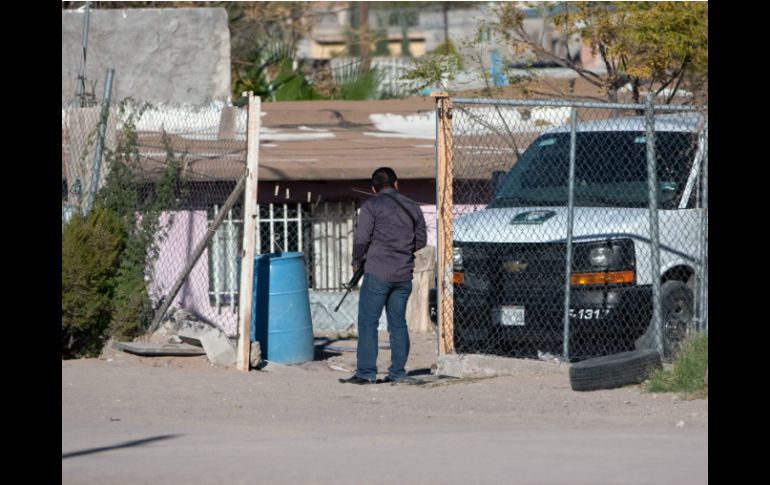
{"points": [[91, 249]]}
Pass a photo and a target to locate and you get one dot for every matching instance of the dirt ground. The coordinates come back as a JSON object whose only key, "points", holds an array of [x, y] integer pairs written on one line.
{"points": [[130, 419]]}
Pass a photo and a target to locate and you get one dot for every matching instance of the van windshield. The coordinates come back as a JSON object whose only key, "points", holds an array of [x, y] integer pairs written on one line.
{"points": [[610, 170]]}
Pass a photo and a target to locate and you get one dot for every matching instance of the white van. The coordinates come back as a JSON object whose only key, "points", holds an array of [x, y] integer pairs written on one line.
{"points": [[510, 257]]}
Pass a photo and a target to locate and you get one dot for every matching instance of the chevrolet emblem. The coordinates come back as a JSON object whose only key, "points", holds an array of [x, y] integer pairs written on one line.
{"points": [[515, 266]]}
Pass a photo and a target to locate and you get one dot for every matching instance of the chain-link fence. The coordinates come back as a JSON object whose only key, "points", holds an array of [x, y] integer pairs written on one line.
{"points": [[207, 144], [577, 229]]}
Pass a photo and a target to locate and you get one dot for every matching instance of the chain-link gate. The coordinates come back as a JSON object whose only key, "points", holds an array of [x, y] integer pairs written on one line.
{"points": [[576, 229]]}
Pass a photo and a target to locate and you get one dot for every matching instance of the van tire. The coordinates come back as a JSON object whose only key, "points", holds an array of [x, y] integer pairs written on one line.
{"points": [[611, 371], [677, 310]]}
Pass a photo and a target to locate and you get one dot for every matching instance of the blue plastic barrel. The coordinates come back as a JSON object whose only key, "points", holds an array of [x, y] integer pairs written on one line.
{"points": [[280, 311]]}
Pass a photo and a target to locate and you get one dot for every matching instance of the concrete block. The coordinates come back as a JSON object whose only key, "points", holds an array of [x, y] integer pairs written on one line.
{"points": [[191, 333], [477, 365], [218, 348]]}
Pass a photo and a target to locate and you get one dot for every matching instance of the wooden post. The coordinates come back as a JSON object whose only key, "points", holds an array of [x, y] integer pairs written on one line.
{"points": [[250, 214], [444, 212]]}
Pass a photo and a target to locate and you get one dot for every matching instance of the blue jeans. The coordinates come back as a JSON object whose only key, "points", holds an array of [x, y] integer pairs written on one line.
{"points": [[375, 295]]}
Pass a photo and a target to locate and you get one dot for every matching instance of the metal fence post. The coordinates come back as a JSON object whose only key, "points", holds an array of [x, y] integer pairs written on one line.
{"points": [[703, 297], [570, 219], [652, 184], [80, 90], [100, 140]]}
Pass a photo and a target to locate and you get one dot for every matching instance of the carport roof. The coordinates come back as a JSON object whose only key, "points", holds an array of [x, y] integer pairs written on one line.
{"points": [[311, 141], [360, 137]]}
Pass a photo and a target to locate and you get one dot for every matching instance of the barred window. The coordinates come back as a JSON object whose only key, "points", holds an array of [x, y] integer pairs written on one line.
{"points": [[323, 232], [224, 261]]}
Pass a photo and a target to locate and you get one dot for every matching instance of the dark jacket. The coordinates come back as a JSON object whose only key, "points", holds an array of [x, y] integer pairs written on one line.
{"points": [[387, 237]]}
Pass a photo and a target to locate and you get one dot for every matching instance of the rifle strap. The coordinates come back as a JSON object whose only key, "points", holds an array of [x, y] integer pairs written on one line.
{"points": [[414, 221], [391, 196]]}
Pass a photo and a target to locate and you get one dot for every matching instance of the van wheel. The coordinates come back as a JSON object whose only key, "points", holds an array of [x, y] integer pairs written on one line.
{"points": [[677, 311], [676, 300]]}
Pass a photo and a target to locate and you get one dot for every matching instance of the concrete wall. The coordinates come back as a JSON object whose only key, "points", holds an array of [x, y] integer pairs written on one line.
{"points": [[178, 55]]}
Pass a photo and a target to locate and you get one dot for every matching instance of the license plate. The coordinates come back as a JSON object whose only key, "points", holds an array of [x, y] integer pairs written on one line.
{"points": [[509, 315]]}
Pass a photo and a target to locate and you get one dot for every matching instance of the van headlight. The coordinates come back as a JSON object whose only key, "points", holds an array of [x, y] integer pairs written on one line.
{"points": [[600, 256], [606, 262], [610, 255], [457, 258]]}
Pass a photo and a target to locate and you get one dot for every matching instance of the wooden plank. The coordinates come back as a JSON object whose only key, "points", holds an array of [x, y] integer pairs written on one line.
{"points": [[444, 236], [153, 349], [250, 215]]}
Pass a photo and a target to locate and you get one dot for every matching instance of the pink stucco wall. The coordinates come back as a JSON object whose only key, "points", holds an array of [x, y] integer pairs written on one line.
{"points": [[184, 234]]}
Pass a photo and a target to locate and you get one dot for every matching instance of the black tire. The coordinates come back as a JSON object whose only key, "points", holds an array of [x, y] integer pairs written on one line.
{"points": [[677, 311], [464, 343], [614, 370], [433, 306]]}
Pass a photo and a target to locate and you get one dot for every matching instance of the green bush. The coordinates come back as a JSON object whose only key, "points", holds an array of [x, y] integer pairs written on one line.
{"points": [[688, 373], [132, 308], [91, 249]]}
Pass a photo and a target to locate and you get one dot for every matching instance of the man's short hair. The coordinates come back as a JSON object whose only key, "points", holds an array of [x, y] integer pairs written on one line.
{"points": [[383, 177]]}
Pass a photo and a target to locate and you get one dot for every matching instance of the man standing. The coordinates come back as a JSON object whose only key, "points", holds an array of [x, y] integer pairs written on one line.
{"points": [[390, 229]]}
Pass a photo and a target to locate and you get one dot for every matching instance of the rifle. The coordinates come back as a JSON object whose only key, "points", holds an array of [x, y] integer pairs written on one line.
{"points": [[357, 275], [351, 284]]}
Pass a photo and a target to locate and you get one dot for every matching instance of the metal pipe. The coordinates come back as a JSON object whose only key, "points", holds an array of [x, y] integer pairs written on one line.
{"points": [[436, 256], [272, 229], [80, 90], [337, 243], [570, 220], [258, 235], [703, 317], [652, 186], [231, 255], [299, 225], [216, 262], [105, 113], [285, 227]]}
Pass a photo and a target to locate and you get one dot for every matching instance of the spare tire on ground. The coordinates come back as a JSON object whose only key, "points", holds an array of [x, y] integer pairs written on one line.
{"points": [[614, 370]]}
